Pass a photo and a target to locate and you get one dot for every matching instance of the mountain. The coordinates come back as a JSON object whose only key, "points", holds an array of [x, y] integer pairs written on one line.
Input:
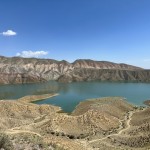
{"points": [[25, 70]]}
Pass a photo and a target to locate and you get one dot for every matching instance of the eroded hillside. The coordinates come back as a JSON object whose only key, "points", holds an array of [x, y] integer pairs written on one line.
{"points": [[26, 70]]}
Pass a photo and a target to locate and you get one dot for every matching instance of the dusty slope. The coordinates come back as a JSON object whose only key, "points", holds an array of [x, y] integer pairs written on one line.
{"points": [[106, 123]]}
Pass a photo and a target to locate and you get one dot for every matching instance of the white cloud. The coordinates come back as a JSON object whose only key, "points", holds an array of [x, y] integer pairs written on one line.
{"points": [[9, 33], [28, 54]]}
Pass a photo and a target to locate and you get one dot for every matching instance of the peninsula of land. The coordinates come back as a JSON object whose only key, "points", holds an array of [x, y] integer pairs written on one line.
{"points": [[34, 98]]}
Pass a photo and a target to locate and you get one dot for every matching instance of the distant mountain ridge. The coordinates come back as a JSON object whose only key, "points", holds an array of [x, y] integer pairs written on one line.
{"points": [[88, 63], [25, 70]]}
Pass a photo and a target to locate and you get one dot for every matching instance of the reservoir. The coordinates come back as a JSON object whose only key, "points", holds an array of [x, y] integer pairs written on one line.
{"points": [[70, 94]]}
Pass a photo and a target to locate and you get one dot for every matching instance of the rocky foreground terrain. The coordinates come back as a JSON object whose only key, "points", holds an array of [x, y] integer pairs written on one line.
{"points": [[147, 102], [96, 124], [25, 70]]}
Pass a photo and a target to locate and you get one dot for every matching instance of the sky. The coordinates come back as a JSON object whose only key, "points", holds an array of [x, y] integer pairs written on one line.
{"points": [[110, 30]]}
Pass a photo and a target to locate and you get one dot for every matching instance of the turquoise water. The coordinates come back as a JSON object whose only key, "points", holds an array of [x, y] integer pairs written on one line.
{"points": [[70, 94]]}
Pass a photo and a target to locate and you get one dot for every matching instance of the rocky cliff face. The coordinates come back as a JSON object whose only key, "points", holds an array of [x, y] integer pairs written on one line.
{"points": [[25, 70], [91, 64], [19, 78], [85, 74]]}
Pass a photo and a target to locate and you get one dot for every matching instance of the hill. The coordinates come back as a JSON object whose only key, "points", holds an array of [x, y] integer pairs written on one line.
{"points": [[102, 123]]}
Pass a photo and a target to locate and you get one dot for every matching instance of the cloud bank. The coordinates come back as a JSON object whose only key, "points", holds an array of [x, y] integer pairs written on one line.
{"points": [[29, 54], [9, 33]]}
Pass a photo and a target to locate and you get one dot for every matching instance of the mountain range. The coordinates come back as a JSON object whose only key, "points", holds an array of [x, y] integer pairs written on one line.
{"points": [[15, 70]]}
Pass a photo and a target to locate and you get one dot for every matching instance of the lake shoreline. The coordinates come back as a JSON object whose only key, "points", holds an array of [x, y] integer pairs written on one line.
{"points": [[73, 93]]}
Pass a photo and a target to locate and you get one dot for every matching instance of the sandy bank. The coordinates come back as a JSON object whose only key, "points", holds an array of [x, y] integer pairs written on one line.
{"points": [[147, 102], [34, 98]]}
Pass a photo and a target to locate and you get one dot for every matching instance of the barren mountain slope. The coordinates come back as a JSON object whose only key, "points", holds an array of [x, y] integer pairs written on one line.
{"points": [[26, 70]]}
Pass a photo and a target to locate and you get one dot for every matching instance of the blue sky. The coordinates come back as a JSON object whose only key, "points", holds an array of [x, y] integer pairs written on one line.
{"points": [[111, 30]]}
